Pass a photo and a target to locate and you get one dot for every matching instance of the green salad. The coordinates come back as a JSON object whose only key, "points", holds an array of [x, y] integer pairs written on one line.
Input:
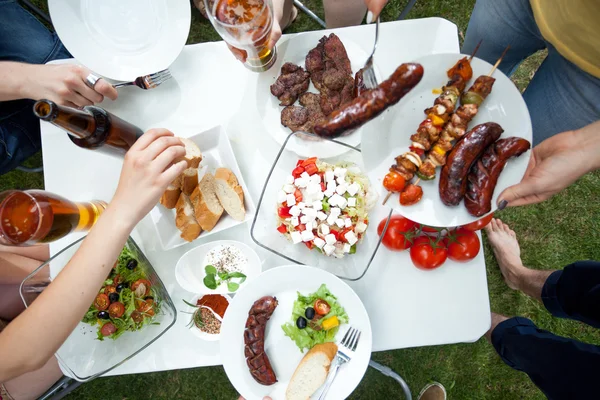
{"points": [[316, 319], [127, 300]]}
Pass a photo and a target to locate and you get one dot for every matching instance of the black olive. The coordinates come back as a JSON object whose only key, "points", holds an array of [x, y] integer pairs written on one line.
{"points": [[310, 313], [148, 298], [113, 297], [120, 287], [103, 315], [301, 322], [131, 264]]}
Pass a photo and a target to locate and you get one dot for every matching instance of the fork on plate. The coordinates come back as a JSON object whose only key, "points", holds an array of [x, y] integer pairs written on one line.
{"points": [[369, 78], [148, 81], [344, 354]]}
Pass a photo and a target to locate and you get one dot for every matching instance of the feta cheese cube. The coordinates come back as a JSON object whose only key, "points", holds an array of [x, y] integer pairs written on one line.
{"points": [[310, 212], [347, 222], [295, 211], [319, 242], [342, 202], [330, 239], [333, 200], [289, 188], [341, 189], [304, 219], [324, 229], [281, 196], [317, 205], [289, 180], [301, 205], [313, 188], [315, 179], [351, 238], [339, 222], [309, 227], [290, 200], [351, 201], [339, 172], [294, 221], [335, 211], [331, 219], [328, 193], [329, 176], [296, 237], [353, 188], [361, 227], [328, 249], [300, 182], [347, 248], [331, 185], [305, 175], [321, 216], [319, 195]]}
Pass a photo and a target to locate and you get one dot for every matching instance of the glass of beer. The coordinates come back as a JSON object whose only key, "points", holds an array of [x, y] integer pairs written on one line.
{"points": [[245, 25], [36, 216]]}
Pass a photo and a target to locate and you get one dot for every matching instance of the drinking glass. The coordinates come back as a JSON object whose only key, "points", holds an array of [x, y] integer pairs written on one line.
{"points": [[245, 25]]}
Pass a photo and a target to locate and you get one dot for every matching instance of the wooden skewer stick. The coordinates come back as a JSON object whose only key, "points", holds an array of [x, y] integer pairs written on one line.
{"points": [[475, 51], [387, 196], [499, 60]]}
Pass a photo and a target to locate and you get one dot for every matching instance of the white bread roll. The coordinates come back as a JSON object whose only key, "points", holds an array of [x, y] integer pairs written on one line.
{"points": [[185, 219], [207, 208], [230, 193], [189, 180], [192, 156], [312, 372], [170, 196]]}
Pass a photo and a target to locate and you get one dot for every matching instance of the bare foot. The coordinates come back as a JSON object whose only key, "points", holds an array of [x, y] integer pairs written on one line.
{"points": [[496, 319], [507, 251]]}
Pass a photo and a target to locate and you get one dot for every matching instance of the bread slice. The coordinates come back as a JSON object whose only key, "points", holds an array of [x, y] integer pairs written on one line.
{"points": [[189, 180], [185, 219], [207, 208], [230, 193], [193, 155], [312, 372], [170, 196]]}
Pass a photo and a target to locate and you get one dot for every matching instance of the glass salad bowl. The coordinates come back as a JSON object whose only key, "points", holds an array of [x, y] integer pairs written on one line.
{"points": [[82, 356], [266, 221]]}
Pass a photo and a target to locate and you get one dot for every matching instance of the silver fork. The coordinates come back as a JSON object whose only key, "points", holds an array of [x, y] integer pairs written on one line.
{"points": [[369, 78], [148, 81], [343, 355]]}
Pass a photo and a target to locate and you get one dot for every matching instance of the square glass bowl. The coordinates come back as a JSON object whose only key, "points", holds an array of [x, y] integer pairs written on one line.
{"points": [[82, 355], [264, 232]]}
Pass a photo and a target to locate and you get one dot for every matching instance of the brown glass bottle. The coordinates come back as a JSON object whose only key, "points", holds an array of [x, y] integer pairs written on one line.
{"points": [[91, 128]]}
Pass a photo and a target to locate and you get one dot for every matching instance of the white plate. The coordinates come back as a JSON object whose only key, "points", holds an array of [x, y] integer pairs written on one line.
{"points": [[216, 153], [389, 136], [190, 267], [295, 50], [122, 39], [284, 283], [195, 331]]}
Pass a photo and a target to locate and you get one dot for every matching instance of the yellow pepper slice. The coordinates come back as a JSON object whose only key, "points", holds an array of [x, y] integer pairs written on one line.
{"points": [[436, 120], [439, 150], [330, 323]]}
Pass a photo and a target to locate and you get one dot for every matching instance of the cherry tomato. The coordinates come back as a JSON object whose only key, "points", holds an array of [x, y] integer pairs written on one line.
{"points": [[298, 195], [108, 329], [102, 302], [297, 172], [394, 182], [145, 307], [429, 229], [426, 254], [108, 289], [311, 169], [116, 310], [417, 150], [282, 228], [284, 212], [399, 233], [117, 279], [137, 283], [137, 317], [463, 245], [310, 245], [411, 195], [322, 307], [479, 224]]}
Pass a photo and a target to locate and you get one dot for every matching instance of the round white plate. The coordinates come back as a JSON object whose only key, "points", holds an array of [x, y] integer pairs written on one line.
{"points": [[295, 50], [284, 283], [197, 332], [119, 39], [389, 136], [190, 271]]}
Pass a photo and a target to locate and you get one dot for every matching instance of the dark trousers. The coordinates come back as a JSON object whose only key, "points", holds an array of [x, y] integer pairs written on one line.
{"points": [[562, 368]]}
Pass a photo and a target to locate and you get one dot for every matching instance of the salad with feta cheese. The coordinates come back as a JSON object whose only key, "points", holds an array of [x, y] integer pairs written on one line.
{"points": [[325, 206]]}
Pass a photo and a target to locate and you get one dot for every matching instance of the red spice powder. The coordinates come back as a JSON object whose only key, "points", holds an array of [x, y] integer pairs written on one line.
{"points": [[215, 302]]}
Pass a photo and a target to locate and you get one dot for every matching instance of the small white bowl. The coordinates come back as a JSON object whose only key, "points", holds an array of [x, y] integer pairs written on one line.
{"points": [[195, 330], [190, 273]]}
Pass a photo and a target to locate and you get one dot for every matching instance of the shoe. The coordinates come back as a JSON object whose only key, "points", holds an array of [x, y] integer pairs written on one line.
{"points": [[433, 391]]}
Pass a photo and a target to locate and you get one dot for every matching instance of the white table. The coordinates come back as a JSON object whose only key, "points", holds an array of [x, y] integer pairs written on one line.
{"points": [[407, 307]]}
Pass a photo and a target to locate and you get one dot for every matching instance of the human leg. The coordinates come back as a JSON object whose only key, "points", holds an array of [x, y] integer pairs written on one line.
{"points": [[340, 13]]}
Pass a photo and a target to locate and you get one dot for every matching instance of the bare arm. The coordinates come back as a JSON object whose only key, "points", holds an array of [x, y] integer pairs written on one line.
{"points": [[34, 336]]}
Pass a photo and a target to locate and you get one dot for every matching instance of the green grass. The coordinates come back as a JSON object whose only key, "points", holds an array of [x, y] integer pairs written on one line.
{"points": [[553, 234]]}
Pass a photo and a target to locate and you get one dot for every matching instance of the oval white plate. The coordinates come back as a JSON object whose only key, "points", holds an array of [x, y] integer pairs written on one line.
{"points": [[284, 283], [389, 136], [197, 332], [122, 39], [190, 273], [295, 50]]}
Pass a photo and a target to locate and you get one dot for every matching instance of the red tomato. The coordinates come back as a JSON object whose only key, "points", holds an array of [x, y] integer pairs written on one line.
{"points": [[417, 150], [335, 233], [399, 233], [479, 224], [284, 212], [116, 310], [301, 227], [425, 256], [322, 307], [463, 245], [411, 195], [309, 161], [297, 172], [137, 283], [342, 234], [101, 303], [108, 329], [429, 229], [282, 228], [108, 289], [310, 245], [394, 182], [137, 317], [298, 195], [311, 169], [323, 186], [145, 307], [299, 163]]}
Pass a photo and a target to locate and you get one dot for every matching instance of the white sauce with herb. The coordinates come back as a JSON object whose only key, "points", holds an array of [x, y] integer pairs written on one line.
{"points": [[226, 258]]}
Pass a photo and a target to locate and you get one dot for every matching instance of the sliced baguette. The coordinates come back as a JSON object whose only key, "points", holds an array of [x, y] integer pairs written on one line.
{"points": [[207, 208], [185, 219], [230, 193], [170, 196], [312, 372], [192, 156], [189, 180]]}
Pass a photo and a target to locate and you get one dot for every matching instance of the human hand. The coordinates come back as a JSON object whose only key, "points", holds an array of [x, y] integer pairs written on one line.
{"points": [[375, 7], [147, 171], [65, 84]]}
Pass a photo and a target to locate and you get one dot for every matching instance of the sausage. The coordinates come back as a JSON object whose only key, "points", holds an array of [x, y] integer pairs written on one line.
{"points": [[484, 173], [453, 178], [371, 103], [254, 340]]}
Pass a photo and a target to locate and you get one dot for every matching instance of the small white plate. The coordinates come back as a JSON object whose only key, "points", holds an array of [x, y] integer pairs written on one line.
{"points": [[284, 283], [389, 136], [197, 332], [190, 272], [216, 152], [122, 39], [295, 50]]}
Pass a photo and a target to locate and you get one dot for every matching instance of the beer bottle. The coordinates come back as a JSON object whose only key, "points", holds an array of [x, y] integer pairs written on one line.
{"points": [[91, 128]]}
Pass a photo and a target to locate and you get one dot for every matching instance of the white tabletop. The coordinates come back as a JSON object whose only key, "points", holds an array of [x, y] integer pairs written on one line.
{"points": [[407, 307]]}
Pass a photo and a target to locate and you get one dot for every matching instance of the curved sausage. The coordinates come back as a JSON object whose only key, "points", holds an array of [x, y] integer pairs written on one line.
{"points": [[484, 173], [254, 340], [453, 178], [371, 103]]}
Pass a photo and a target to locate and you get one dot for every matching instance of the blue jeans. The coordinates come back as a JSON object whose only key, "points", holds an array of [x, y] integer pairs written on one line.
{"points": [[561, 96], [23, 39]]}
